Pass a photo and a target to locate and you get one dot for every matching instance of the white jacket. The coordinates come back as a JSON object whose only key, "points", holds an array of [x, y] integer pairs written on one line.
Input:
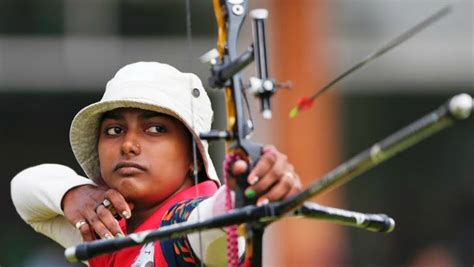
{"points": [[37, 193]]}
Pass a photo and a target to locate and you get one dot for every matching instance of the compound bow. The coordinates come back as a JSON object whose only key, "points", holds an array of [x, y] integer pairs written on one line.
{"points": [[226, 65]]}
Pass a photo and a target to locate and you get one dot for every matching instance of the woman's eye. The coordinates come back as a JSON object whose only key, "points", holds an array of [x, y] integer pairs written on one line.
{"points": [[114, 130], [156, 129]]}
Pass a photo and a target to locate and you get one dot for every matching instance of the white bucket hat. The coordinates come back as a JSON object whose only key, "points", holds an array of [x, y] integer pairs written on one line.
{"points": [[150, 86]]}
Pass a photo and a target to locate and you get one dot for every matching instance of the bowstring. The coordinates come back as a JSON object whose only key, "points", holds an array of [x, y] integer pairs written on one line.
{"points": [[195, 161]]}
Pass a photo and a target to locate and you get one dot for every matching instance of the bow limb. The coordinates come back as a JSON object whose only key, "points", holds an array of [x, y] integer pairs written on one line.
{"points": [[221, 28]]}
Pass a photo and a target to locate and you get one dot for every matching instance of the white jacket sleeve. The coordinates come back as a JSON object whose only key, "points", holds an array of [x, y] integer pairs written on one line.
{"points": [[37, 193], [213, 242]]}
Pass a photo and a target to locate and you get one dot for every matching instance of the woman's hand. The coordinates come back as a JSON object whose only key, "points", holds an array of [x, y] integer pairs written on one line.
{"points": [[84, 208], [272, 179]]}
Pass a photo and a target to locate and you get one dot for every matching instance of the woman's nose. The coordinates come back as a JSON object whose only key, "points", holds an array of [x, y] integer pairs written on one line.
{"points": [[131, 147]]}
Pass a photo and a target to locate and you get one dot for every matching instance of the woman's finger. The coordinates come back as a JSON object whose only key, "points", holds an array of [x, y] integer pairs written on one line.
{"points": [[280, 190], [264, 165], [108, 220], [288, 185], [118, 204], [84, 228], [270, 175], [97, 225], [239, 167]]}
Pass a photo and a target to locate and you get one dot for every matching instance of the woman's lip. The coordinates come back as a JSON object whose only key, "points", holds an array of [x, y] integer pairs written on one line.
{"points": [[129, 171], [129, 166]]}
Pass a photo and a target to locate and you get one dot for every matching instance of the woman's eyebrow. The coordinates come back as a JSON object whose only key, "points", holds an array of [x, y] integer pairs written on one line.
{"points": [[113, 116], [142, 115], [151, 114]]}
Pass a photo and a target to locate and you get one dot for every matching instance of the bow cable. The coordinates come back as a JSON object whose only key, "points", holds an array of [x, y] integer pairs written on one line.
{"points": [[194, 146]]}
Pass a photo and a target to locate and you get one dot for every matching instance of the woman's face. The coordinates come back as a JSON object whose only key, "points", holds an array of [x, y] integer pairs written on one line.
{"points": [[144, 155]]}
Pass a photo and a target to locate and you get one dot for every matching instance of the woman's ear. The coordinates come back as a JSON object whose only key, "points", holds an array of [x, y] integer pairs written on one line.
{"points": [[191, 168]]}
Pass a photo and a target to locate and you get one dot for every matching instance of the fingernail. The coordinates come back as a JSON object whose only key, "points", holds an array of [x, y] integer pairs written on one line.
{"points": [[250, 193], [253, 180], [270, 152], [262, 201], [108, 236], [119, 235], [126, 215]]}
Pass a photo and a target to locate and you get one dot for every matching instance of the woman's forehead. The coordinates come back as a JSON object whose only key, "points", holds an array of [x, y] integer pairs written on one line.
{"points": [[142, 113]]}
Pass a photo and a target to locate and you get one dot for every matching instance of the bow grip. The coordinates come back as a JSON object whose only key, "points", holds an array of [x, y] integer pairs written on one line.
{"points": [[251, 153]]}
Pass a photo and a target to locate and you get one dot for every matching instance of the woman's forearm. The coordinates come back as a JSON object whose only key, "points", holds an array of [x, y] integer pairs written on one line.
{"points": [[37, 193]]}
